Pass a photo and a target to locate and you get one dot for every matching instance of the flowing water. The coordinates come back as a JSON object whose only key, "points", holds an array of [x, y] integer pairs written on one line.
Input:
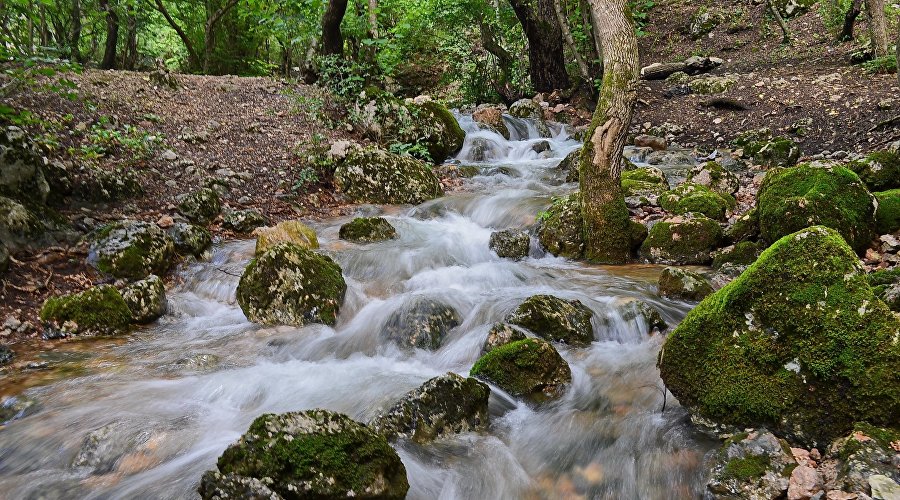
{"points": [[147, 417]]}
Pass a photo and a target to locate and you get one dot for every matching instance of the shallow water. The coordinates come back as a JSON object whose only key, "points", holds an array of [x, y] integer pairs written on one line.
{"points": [[167, 402]]}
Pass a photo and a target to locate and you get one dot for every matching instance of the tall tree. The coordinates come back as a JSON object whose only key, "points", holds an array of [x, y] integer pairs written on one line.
{"points": [[606, 219], [112, 35], [75, 35], [546, 59], [850, 20], [877, 26], [332, 40], [563, 20]]}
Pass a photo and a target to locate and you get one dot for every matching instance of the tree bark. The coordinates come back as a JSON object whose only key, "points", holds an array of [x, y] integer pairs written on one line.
{"points": [[112, 36], [563, 21], [130, 59], [850, 20], [75, 36], [897, 56], [193, 57], [332, 40], [781, 24], [877, 26], [546, 58], [607, 233], [504, 63]]}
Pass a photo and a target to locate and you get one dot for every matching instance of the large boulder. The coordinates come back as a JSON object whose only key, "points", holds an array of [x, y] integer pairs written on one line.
{"points": [[308, 454], [389, 120], [146, 299], [289, 231], [833, 196], [243, 221], [371, 175], [753, 464], [682, 240], [768, 150], [201, 206], [555, 319], [21, 174], [798, 343], [100, 310], [422, 323], [714, 176], [887, 217], [190, 239], [19, 227], [865, 452], [530, 369], [367, 230], [442, 406], [561, 226], [696, 198], [131, 249], [880, 171], [683, 284], [290, 285], [510, 244]]}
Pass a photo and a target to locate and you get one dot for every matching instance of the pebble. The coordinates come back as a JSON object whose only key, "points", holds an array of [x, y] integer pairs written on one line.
{"points": [[169, 155]]}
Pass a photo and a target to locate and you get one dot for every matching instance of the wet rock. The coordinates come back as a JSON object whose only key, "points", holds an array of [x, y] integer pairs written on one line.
{"points": [[243, 221], [190, 239], [492, 116], [529, 109], [510, 244], [421, 323], [21, 174], [201, 206], [636, 309], [340, 458], [368, 230], [670, 158], [199, 362], [100, 310], [555, 319], [217, 486], [502, 334], [795, 198], [102, 448], [530, 369], [695, 198], [714, 176], [569, 164], [798, 343], [479, 149], [373, 175], [880, 171], [16, 407], [561, 226], [681, 284], [741, 254], [887, 217], [442, 406], [131, 250], [290, 285], [712, 84], [541, 147], [146, 299], [755, 465], [682, 240], [6, 355], [649, 141], [865, 453], [289, 231]]}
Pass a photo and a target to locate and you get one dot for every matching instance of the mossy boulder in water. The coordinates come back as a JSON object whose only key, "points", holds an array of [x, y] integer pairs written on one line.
{"points": [[794, 198], [442, 406], [190, 239], [146, 299], [880, 171], [289, 231], [887, 217], [682, 240], [421, 323], [290, 285], [100, 310], [561, 226], [243, 221], [682, 284], [510, 244], [367, 230], [798, 343], [555, 319], [131, 250], [530, 369], [308, 454], [714, 176], [201, 206], [529, 109], [371, 175], [695, 198], [502, 334], [21, 173], [753, 464]]}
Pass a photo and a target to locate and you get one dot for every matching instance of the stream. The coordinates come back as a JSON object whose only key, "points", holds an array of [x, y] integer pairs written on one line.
{"points": [[146, 417]]}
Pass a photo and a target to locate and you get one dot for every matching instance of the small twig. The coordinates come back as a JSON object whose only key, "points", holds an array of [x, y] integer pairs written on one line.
{"points": [[228, 272]]}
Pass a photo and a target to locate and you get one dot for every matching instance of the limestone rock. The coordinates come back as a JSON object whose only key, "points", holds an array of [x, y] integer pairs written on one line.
{"points": [[368, 230], [530, 369], [510, 244], [555, 319], [422, 323], [146, 299], [100, 310], [681, 284], [289, 231], [131, 250]]}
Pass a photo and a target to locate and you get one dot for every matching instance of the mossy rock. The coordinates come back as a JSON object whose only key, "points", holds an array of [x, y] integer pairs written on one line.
{"points": [[712, 84], [865, 452], [793, 8], [561, 227], [289, 231], [530, 369], [510, 244], [367, 230], [555, 319], [243, 221], [371, 175], [644, 181], [100, 185], [312, 454], [570, 165], [442, 406], [682, 284], [682, 241], [190, 239], [714, 176], [798, 343], [778, 152], [753, 464], [502, 334], [744, 228], [146, 299], [290, 285], [201, 206], [100, 310], [696, 198], [703, 22], [421, 323], [20, 228], [743, 253], [21, 174], [880, 171], [131, 250], [794, 198], [887, 217]]}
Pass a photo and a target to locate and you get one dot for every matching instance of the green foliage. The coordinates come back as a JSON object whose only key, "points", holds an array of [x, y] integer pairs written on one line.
{"points": [[881, 65], [345, 79], [833, 12], [640, 12], [416, 150], [104, 139]]}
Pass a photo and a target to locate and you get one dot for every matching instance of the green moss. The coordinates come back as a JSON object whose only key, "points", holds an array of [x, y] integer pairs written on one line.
{"points": [[880, 170], [768, 150], [887, 218], [743, 253], [555, 319], [201, 206], [745, 228], [688, 241], [795, 198], [798, 343], [560, 232], [367, 230], [529, 368], [97, 311], [884, 277], [689, 197], [747, 468]]}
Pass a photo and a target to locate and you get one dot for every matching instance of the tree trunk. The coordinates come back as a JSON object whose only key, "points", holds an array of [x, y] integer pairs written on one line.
{"points": [[193, 57], [850, 20], [607, 225], [112, 36], [75, 36], [897, 56], [587, 19], [209, 35], [131, 49], [877, 26], [563, 21], [546, 59], [504, 63], [781, 24], [332, 40]]}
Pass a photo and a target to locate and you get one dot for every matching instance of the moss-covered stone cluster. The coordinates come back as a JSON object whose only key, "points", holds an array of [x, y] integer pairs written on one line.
{"points": [[100, 310], [367, 230], [880, 171], [683, 284], [555, 319], [887, 217], [714, 176], [289, 231], [644, 181], [753, 464], [743, 253], [291, 285], [682, 240], [372, 175], [146, 299], [131, 249], [798, 343], [768, 150], [190, 239], [201, 206], [243, 221], [530, 369], [696, 198]]}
